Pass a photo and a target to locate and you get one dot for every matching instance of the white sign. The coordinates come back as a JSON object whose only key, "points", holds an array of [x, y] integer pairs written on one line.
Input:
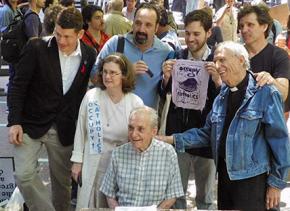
{"points": [[189, 84], [7, 182]]}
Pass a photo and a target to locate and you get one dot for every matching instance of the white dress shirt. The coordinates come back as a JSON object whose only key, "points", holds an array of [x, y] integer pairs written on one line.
{"points": [[69, 67]]}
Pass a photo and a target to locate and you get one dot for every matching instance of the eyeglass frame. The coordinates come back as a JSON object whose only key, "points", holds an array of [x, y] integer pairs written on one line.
{"points": [[110, 73]]}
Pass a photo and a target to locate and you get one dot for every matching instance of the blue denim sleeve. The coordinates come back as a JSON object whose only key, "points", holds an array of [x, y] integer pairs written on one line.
{"points": [[194, 138], [276, 134]]}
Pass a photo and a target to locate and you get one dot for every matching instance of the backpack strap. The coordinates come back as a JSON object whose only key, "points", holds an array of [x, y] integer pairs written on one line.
{"points": [[121, 44], [95, 44], [273, 29]]}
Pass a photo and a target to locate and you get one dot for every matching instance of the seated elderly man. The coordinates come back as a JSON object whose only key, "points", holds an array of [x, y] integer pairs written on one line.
{"points": [[144, 171], [247, 133]]}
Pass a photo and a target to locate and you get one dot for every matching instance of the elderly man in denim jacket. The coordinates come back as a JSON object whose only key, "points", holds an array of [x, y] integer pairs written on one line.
{"points": [[247, 133]]}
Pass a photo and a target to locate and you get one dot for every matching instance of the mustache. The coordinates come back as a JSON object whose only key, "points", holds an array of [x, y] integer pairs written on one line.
{"points": [[142, 34]]}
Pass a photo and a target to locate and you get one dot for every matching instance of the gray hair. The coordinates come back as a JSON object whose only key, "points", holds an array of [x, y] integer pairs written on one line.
{"points": [[116, 5], [237, 49], [150, 112]]}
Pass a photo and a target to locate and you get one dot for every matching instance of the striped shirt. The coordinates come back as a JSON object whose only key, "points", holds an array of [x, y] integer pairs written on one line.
{"points": [[143, 178]]}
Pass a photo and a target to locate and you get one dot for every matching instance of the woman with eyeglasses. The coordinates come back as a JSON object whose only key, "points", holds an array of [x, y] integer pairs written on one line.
{"points": [[102, 125], [94, 35]]}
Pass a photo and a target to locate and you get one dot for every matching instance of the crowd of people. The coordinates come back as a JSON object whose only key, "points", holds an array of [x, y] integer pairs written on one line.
{"points": [[99, 89]]}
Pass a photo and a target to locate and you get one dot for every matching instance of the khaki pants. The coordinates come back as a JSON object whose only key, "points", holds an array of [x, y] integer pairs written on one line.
{"points": [[35, 193]]}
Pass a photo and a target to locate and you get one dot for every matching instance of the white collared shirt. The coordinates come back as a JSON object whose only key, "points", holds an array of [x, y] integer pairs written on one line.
{"points": [[69, 67], [204, 56]]}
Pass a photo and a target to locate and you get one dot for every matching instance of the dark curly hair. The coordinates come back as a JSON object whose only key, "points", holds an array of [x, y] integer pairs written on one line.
{"points": [[263, 16], [199, 15], [70, 18], [128, 79], [88, 12], [50, 16]]}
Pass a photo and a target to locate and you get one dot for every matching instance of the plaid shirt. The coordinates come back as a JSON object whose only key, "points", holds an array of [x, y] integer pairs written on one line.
{"points": [[143, 179]]}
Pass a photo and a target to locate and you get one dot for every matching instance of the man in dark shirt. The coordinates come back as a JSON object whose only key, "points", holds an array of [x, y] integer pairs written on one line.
{"points": [[270, 63], [177, 119]]}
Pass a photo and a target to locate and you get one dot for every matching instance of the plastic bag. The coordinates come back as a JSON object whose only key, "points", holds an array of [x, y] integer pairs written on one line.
{"points": [[15, 202]]}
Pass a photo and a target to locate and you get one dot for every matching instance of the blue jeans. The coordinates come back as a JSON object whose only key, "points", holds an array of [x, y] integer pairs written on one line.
{"points": [[204, 173]]}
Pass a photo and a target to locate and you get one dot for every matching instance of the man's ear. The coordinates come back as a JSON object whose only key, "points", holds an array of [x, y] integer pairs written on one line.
{"points": [[154, 131], [81, 33], [208, 33], [266, 27], [242, 59], [156, 28]]}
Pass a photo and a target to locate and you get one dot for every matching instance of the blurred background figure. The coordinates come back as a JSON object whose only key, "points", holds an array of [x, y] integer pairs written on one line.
{"points": [[49, 20], [165, 33], [111, 104], [115, 22], [129, 9], [226, 19], [216, 33], [67, 3], [7, 13], [94, 35]]}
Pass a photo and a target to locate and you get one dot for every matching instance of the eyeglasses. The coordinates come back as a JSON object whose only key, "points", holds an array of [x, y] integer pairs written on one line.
{"points": [[110, 73]]}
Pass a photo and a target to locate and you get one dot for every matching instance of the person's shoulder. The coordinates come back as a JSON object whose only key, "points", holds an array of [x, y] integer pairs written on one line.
{"points": [[37, 42], [158, 44], [31, 15], [113, 39], [124, 148], [89, 50], [270, 89], [93, 92], [133, 97], [276, 53], [164, 146]]}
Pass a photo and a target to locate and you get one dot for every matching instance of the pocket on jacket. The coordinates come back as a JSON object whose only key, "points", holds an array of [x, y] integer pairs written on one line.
{"points": [[250, 122]]}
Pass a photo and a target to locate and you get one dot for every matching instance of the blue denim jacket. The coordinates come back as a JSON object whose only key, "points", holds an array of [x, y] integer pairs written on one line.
{"points": [[257, 139]]}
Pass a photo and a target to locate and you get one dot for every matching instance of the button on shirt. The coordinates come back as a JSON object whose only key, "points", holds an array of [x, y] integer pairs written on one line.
{"points": [[143, 178], [69, 67]]}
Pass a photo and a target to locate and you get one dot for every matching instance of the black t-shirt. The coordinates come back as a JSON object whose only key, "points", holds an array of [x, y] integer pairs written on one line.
{"points": [[272, 59]]}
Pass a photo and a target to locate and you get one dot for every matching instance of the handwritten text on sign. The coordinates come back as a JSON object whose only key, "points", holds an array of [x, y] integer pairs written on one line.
{"points": [[189, 84], [7, 182]]}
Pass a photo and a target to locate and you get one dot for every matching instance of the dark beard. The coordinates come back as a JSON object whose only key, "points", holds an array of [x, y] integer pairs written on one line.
{"points": [[140, 38]]}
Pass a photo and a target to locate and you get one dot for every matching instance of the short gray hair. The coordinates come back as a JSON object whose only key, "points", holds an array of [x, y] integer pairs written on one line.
{"points": [[116, 5], [237, 49], [152, 114]]}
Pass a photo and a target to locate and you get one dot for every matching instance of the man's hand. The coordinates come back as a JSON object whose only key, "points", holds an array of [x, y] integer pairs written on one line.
{"points": [[264, 78], [272, 197], [140, 67], [76, 170], [15, 135], [113, 203], [167, 139], [211, 69], [167, 68], [281, 84]]}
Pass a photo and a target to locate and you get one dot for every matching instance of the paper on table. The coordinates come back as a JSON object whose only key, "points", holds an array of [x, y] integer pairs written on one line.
{"points": [[148, 208], [189, 84]]}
